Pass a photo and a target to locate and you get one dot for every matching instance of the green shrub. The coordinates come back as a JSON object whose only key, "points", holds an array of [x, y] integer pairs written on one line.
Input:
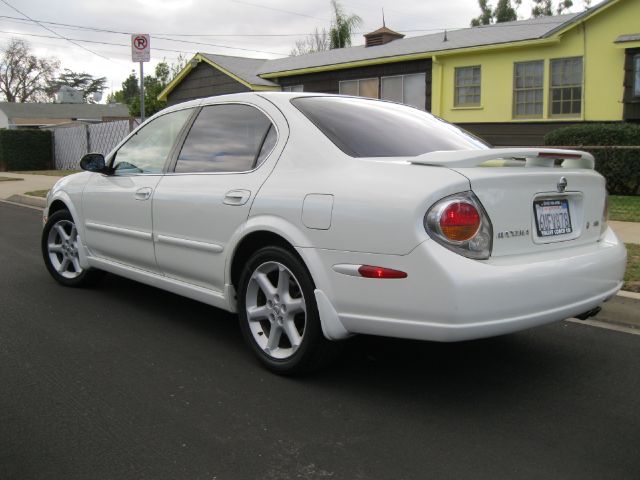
{"points": [[25, 150], [621, 167]]}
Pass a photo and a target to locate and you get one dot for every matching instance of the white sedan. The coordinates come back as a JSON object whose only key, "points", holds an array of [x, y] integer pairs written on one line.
{"points": [[317, 217]]}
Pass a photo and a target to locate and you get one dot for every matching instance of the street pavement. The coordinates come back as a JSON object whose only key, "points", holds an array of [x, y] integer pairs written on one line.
{"points": [[124, 381]]}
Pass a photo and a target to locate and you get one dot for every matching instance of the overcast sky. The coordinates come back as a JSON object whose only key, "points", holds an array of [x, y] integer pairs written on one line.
{"points": [[254, 28]]}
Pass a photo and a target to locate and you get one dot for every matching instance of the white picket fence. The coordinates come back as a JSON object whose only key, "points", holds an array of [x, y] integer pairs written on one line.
{"points": [[71, 142]]}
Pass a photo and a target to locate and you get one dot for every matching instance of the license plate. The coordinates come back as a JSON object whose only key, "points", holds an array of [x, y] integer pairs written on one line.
{"points": [[552, 217]]}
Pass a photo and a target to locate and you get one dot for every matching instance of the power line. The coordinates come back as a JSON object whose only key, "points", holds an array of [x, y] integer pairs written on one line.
{"points": [[279, 10], [53, 31]]}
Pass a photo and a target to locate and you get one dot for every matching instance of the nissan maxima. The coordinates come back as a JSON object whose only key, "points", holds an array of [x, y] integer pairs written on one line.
{"points": [[318, 217]]}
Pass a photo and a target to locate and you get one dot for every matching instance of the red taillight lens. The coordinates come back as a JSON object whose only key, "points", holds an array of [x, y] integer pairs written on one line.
{"points": [[369, 271], [460, 221]]}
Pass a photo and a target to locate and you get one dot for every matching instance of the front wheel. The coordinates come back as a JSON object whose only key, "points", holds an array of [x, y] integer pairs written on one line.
{"points": [[60, 245], [278, 313]]}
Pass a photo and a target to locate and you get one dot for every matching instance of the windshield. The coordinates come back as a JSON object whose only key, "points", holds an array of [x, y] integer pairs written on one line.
{"points": [[370, 128]]}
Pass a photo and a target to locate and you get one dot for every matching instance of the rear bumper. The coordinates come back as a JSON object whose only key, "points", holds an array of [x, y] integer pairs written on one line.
{"points": [[447, 297]]}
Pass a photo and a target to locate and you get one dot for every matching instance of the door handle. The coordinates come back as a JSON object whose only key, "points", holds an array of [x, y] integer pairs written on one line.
{"points": [[143, 193], [236, 197]]}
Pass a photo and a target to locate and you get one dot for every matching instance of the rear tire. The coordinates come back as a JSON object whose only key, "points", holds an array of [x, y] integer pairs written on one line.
{"points": [[60, 246], [279, 316]]}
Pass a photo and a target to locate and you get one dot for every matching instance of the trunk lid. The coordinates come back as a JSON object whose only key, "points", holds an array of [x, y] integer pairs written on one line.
{"points": [[534, 205]]}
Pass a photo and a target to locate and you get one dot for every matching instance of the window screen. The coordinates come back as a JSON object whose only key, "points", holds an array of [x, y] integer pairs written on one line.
{"points": [[367, 128], [528, 88], [636, 76], [566, 86], [467, 86], [224, 138]]}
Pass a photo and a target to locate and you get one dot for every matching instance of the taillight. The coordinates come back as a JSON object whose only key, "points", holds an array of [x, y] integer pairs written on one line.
{"points": [[460, 223]]}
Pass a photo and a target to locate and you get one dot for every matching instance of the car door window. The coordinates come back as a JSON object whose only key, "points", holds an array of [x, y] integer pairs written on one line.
{"points": [[148, 149], [226, 138]]}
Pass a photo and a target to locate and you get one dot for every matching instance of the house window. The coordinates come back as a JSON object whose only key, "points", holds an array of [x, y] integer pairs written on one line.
{"points": [[636, 76], [566, 86], [293, 88], [528, 88], [407, 89], [467, 86], [366, 87]]}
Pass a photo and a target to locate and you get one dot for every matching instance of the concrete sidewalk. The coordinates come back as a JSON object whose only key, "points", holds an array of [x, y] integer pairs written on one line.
{"points": [[14, 191]]}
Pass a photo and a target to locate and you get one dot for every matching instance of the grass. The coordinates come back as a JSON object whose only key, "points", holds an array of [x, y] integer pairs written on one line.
{"points": [[624, 208], [38, 193], [632, 275], [9, 179], [49, 173]]}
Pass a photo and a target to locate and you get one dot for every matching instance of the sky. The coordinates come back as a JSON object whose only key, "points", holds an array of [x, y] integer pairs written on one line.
{"points": [[251, 28]]}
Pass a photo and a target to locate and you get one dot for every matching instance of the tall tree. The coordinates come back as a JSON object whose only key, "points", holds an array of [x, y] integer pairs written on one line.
{"points": [[23, 76], [153, 86], [486, 14], [130, 90], [342, 26], [318, 41], [542, 8], [83, 82], [504, 12]]}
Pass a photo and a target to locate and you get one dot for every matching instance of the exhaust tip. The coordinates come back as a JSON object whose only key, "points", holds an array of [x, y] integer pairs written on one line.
{"points": [[588, 314]]}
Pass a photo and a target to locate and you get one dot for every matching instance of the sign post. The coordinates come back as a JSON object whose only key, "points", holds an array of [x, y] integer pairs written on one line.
{"points": [[141, 52]]}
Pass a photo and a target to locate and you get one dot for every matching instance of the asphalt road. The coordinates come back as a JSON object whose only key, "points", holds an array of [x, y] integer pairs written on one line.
{"points": [[124, 381]]}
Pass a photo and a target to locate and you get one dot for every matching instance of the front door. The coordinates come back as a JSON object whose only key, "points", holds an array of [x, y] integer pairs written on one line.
{"points": [[117, 207], [200, 205]]}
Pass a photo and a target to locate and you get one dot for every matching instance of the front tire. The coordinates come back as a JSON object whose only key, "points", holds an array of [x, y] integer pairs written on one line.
{"points": [[60, 245], [278, 313]]}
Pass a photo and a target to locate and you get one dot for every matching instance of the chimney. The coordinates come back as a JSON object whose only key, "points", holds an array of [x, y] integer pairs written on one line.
{"points": [[381, 36]]}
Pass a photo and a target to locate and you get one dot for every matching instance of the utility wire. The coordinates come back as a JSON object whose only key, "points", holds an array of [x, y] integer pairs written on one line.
{"points": [[53, 31]]}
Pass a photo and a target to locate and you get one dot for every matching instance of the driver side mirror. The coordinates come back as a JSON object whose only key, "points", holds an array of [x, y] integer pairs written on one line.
{"points": [[93, 162]]}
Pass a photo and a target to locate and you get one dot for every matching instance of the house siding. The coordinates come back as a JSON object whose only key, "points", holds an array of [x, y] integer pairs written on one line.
{"points": [[204, 81], [328, 82]]}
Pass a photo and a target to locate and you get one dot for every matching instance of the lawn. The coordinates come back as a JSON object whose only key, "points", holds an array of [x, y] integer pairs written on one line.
{"points": [[632, 275], [49, 173], [624, 208]]}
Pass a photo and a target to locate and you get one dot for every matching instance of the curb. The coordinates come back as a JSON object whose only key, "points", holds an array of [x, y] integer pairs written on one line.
{"points": [[28, 200]]}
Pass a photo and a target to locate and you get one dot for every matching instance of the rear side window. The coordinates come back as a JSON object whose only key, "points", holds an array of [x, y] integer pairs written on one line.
{"points": [[369, 128], [225, 138]]}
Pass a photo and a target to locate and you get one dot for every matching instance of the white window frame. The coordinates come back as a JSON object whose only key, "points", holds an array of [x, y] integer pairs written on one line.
{"points": [[516, 90], [456, 101]]}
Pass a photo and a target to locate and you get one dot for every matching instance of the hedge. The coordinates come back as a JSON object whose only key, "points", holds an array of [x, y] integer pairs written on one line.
{"points": [[621, 167], [25, 150]]}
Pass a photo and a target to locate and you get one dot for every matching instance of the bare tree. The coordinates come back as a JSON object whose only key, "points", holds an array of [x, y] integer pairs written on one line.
{"points": [[318, 41], [23, 76]]}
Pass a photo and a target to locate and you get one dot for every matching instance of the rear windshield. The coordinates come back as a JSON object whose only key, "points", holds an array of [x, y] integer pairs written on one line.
{"points": [[371, 128]]}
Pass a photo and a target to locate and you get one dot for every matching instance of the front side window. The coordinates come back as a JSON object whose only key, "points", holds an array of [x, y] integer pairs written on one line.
{"points": [[407, 89], [226, 138], [528, 78], [366, 87], [566, 86], [368, 128], [636, 76], [467, 86], [148, 149]]}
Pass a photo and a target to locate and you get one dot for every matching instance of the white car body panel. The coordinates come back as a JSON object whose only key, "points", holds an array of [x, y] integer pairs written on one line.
{"points": [[337, 210]]}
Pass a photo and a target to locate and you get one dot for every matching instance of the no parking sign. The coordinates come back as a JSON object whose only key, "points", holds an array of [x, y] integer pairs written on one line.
{"points": [[140, 47]]}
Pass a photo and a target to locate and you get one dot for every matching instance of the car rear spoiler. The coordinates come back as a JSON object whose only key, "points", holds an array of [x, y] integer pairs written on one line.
{"points": [[533, 157]]}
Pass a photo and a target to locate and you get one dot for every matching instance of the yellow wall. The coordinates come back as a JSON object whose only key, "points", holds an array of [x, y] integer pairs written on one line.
{"points": [[603, 63]]}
